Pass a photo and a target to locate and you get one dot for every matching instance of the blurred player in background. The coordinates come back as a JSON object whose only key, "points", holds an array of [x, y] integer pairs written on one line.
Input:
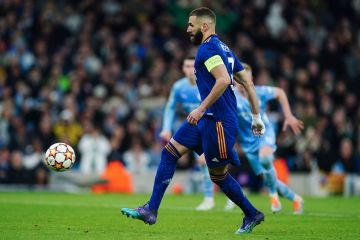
{"points": [[260, 151], [211, 128], [186, 94]]}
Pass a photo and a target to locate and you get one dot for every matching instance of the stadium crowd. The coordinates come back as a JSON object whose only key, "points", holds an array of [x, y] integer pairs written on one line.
{"points": [[96, 74]]}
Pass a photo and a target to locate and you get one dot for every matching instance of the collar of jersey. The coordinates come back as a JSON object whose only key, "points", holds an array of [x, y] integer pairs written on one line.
{"points": [[208, 38]]}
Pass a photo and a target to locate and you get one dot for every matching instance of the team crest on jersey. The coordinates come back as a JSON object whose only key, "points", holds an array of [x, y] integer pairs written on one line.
{"points": [[224, 47]]}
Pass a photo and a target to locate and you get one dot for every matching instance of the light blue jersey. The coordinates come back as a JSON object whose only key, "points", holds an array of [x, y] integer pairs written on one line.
{"points": [[249, 142], [183, 95], [252, 144]]}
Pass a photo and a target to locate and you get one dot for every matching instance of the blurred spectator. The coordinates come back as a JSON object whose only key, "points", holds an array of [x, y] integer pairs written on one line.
{"points": [[117, 137], [274, 20], [94, 148], [45, 133], [4, 164], [136, 159], [6, 109], [17, 174], [34, 154], [68, 130], [346, 161], [155, 154], [33, 162]]}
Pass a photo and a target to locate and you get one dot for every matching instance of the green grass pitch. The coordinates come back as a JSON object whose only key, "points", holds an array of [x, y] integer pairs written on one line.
{"points": [[86, 216]]}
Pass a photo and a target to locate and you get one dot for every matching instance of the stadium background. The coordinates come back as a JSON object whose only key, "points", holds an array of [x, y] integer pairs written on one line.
{"points": [[76, 69]]}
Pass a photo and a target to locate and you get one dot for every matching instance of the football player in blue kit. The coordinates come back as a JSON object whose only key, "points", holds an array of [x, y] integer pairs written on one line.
{"points": [[185, 95], [260, 151], [212, 127]]}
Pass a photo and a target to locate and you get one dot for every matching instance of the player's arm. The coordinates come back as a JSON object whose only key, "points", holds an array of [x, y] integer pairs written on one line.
{"points": [[222, 81], [216, 67], [169, 114], [244, 78], [291, 121]]}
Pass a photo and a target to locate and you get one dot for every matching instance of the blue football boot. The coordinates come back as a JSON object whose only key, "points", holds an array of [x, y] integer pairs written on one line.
{"points": [[142, 213], [250, 222]]}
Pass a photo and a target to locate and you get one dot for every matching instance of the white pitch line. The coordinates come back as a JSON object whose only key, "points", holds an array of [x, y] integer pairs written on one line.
{"points": [[176, 208]]}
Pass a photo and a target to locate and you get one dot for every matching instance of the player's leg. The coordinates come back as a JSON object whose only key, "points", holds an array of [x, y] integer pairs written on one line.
{"points": [[187, 137], [287, 192], [275, 186], [284, 190], [169, 157], [207, 185], [266, 157], [230, 205], [166, 169], [218, 141], [256, 166], [232, 190]]}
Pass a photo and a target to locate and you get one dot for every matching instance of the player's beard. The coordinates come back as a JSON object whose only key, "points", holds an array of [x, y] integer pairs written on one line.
{"points": [[197, 38]]}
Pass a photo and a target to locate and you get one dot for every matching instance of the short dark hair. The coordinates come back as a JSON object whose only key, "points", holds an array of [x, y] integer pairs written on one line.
{"points": [[189, 57], [186, 57], [202, 12]]}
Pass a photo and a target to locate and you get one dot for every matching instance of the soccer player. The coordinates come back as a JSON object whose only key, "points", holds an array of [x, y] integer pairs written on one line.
{"points": [[260, 151], [186, 94], [212, 127]]}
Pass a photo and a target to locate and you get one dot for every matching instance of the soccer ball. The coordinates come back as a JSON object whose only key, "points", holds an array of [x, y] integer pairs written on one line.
{"points": [[60, 157]]}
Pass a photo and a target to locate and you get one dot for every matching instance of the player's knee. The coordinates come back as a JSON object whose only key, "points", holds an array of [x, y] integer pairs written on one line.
{"points": [[218, 174], [170, 150], [218, 178], [266, 161]]}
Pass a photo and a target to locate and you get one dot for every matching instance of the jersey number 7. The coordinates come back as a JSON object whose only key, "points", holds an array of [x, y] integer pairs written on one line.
{"points": [[232, 62]]}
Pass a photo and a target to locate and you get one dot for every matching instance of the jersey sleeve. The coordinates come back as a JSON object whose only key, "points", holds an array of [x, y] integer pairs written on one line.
{"points": [[265, 93], [210, 56], [169, 111], [238, 67]]}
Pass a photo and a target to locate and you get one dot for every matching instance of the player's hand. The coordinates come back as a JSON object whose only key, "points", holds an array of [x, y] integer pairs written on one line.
{"points": [[295, 124], [165, 135], [257, 125], [195, 116]]}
